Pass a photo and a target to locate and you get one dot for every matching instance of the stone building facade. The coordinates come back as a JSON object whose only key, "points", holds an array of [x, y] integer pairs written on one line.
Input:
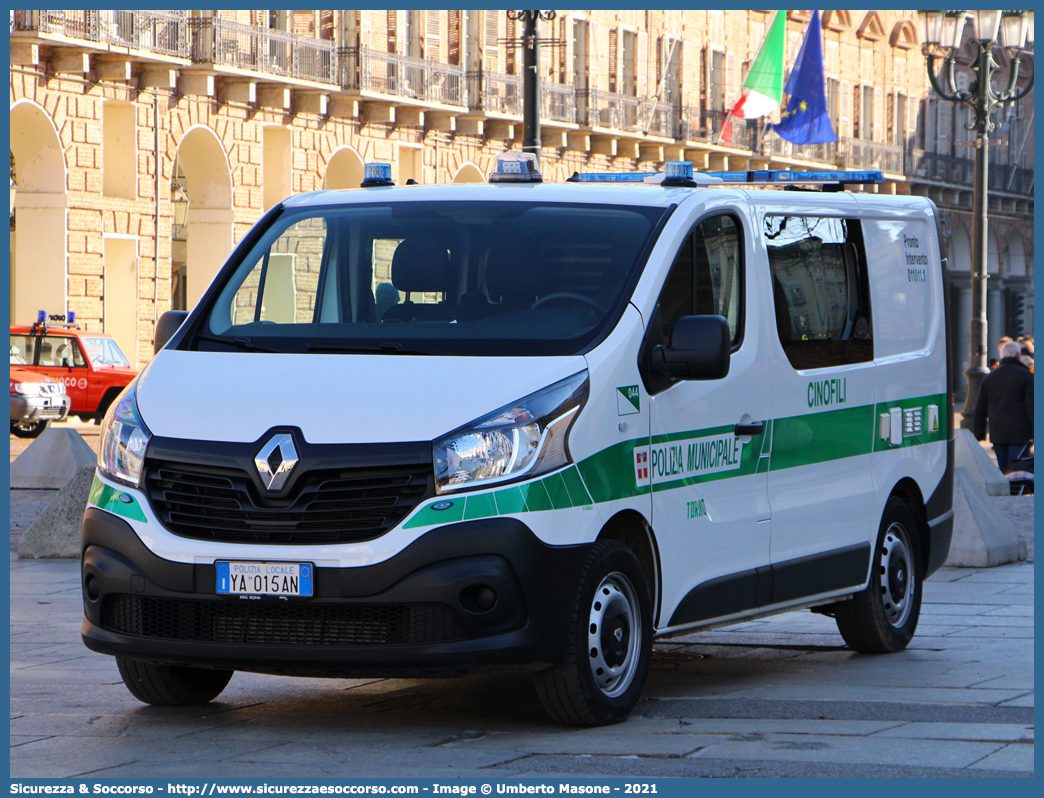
{"points": [[144, 144]]}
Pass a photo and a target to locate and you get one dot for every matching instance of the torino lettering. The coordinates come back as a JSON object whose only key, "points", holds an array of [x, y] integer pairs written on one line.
{"points": [[828, 392]]}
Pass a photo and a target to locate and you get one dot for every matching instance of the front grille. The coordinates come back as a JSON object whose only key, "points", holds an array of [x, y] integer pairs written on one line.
{"points": [[281, 623], [324, 506]]}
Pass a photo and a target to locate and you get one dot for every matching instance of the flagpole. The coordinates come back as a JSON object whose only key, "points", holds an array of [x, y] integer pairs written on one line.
{"points": [[721, 133], [761, 138]]}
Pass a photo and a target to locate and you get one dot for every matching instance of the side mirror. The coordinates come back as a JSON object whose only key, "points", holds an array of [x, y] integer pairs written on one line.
{"points": [[166, 327], [700, 349]]}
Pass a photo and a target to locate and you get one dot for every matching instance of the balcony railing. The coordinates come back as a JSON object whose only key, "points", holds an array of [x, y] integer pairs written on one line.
{"points": [[252, 48], [630, 114], [863, 154], [501, 94], [403, 76], [558, 102], [1010, 179], [160, 32], [939, 168]]}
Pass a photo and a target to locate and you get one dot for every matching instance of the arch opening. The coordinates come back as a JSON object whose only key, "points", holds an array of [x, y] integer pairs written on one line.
{"points": [[39, 275], [201, 192]]}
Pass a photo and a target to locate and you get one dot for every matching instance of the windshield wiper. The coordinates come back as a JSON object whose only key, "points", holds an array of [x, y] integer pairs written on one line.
{"points": [[386, 348], [243, 343]]}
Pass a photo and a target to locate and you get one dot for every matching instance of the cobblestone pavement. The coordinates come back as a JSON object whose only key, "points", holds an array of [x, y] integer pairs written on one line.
{"points": [[780, 696]]}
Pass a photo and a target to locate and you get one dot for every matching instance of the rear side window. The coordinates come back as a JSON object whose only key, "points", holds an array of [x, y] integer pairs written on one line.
{"points": [[706, 278], [820, 290]]}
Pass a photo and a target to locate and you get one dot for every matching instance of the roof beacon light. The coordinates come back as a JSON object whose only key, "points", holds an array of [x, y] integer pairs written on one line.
{"points": [[41, 316], [787, 176], [677, 173], [515, 167], [377, 174], [70, 317]]}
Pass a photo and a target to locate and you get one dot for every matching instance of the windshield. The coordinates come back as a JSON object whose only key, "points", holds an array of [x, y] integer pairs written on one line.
{"points": [[472, 278], [104, 352]]}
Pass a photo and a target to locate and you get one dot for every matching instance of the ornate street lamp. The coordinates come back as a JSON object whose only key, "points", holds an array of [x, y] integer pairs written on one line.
{"points": [[531, 78], [179, 198], [941, 36]]}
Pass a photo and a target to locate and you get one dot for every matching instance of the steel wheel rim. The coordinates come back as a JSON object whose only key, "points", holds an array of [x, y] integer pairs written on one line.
{"points": [[897, 582], [614, 635]]}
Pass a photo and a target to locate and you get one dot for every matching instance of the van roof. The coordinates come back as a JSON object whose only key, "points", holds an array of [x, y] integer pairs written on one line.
{"points": [[623, 194], [642, 194]]}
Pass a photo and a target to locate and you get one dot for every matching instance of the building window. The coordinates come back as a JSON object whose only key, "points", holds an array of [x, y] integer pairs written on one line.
{"points": [[630, 63], [716, 81]]}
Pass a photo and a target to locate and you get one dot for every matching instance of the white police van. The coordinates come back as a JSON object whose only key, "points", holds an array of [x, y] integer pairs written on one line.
{"points": [[440, 429]]}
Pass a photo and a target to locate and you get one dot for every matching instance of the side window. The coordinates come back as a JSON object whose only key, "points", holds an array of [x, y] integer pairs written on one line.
{"points": [[22, 350], [820, 290], [706, 278], [60, 351]]}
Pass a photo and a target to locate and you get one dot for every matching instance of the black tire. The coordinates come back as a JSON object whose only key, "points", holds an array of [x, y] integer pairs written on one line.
{"points": [[29, 430], [171, 685], [603, 673], [882, 619]]}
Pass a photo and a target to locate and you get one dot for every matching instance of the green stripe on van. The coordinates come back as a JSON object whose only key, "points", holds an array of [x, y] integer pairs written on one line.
{"points": [[609, 475], [820, 437], [113, 500], [558, 491]]}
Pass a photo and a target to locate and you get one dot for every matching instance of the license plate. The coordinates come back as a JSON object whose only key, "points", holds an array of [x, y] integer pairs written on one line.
{"points": [[264, 578]]}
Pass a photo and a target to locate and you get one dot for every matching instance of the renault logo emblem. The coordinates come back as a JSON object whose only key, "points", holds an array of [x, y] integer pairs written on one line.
{"points": [[276, 460]]}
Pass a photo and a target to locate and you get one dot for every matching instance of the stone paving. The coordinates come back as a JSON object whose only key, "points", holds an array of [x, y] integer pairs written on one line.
{"points": [[780, 696], [775, 697]]}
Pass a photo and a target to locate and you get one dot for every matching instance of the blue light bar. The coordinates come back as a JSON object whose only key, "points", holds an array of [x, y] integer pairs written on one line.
{"points": [[41, 315], [787, 176], [377, 174], [515, 167], [609, 177], [70, 317]]}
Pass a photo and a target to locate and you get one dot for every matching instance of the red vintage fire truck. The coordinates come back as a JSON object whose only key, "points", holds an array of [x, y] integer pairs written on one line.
{"points": [[91, 365]]}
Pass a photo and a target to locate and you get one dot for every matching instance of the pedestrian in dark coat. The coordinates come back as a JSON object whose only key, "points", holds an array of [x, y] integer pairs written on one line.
{"points": [[1006, 402]]}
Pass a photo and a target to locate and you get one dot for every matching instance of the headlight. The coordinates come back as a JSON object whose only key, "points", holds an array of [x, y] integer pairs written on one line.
{"points": [[26, 388], [522, 439], [123, 440]]}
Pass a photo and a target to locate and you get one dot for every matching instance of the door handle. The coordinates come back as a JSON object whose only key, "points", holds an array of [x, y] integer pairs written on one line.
{"points": [[755, 428]]}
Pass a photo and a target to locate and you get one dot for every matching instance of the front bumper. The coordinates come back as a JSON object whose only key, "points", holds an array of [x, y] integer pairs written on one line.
{"points": [[39, 408], [417, 613]]}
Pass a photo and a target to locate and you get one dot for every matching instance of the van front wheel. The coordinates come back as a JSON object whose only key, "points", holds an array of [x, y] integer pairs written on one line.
{"points": [[610, 643], [882, 619], [171, 685]]}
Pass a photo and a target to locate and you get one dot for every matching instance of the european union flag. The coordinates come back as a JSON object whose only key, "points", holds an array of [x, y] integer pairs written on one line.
{"points": [[806, 120]]}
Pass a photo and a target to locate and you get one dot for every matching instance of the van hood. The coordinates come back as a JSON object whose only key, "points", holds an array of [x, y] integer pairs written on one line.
{"points": [[238, 397]]}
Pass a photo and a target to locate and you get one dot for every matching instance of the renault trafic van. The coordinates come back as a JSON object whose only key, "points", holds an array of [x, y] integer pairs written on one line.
{"points": [[440, 429]]}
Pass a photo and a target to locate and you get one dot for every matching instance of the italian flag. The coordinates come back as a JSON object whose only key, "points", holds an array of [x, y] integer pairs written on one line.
{"points": [[763, 88]]}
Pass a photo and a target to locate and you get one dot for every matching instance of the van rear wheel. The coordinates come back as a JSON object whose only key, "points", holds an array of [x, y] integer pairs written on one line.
{"points": [[610, 643], [882, 619], [171, 685]]}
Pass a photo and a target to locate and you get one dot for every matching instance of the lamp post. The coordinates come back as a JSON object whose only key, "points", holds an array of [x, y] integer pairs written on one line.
{"points": [[531, 79], [941, 38]]}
